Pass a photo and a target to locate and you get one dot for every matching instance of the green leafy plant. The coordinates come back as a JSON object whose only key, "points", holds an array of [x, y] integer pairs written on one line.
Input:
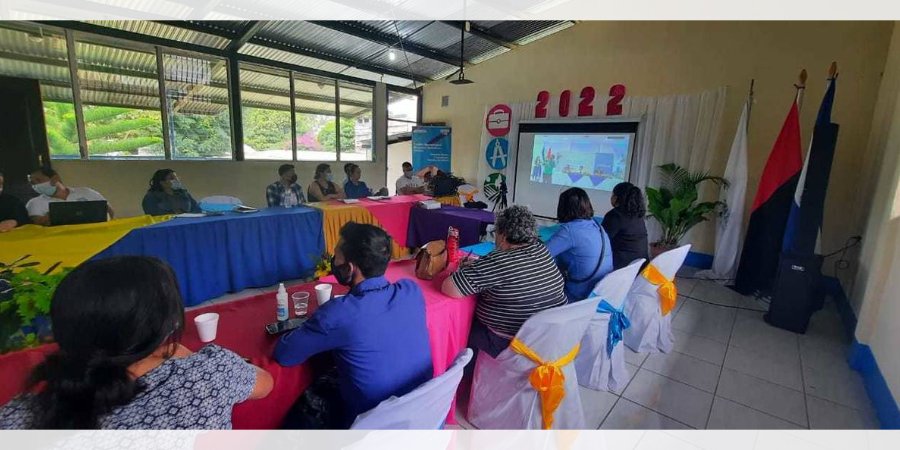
{"points": [[675, 204], [25, 295]]}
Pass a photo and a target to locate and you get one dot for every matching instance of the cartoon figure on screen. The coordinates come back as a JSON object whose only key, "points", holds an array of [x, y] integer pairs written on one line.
{"points": [[536, 169], [549, 164]]}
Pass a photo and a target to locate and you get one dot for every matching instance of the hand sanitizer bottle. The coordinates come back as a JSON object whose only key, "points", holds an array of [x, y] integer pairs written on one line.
{"points": [[282, 298]]}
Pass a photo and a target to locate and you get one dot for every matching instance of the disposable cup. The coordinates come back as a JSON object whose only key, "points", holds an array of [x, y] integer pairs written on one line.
{"points": [[323, 293], [207, 324], [301, 303]]}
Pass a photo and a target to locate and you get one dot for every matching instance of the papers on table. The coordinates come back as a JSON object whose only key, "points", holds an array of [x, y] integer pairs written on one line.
{"points": [[350, 200], [190, 215]]}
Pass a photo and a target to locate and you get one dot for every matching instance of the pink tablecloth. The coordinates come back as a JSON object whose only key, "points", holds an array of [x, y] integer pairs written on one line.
{"points": [[448, 319], [392, 213]]}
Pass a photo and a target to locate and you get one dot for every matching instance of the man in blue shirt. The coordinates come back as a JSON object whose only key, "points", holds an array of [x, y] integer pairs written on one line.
{"points": [[377, 331]]}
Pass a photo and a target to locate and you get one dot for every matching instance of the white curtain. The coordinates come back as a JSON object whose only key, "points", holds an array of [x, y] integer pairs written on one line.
{"points": [[682, 129]]}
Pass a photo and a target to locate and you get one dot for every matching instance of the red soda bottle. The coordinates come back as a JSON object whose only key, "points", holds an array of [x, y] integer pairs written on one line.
{"points": [[452, 245]]}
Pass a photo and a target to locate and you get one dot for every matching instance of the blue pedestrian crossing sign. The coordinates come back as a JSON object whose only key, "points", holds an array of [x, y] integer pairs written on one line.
{"points": [[497, 153]]}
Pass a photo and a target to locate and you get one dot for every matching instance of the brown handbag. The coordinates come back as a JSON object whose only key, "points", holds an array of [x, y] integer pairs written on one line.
{"points": [[431, 259]]}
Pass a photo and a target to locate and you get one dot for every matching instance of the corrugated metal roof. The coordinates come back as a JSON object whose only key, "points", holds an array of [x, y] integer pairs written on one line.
{"points": [[291, 58], [165, 31], [311, 36]]}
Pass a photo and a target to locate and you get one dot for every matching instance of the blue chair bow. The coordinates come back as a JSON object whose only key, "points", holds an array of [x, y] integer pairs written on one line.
{"points": [[617, 325]]}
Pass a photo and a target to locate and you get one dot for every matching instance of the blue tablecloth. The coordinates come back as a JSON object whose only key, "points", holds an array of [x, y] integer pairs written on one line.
{"points": [[215, 255]]}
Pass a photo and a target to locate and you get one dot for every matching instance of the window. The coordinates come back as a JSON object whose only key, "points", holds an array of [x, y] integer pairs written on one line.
{"points": [[197, 106], [403, 114], [266, 112], [314, 113], [29, 51], [120, 98], [356, 121]]}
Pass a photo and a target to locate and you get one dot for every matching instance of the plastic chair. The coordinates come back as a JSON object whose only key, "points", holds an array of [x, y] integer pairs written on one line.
{"points": [[651, 301], [219, 203], [504, 390], [425, 408], [598, 367]]}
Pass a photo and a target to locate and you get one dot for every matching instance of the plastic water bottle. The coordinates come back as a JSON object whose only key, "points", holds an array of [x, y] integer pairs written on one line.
{"points": [[281, 313], [452, 245]]}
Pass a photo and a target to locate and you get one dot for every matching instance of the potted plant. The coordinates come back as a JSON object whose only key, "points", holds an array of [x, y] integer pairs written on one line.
{"points": [[674, 205], [25, 295]]}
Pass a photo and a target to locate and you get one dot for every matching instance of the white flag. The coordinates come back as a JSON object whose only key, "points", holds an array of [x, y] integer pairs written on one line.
{"points": [[728, 229]]}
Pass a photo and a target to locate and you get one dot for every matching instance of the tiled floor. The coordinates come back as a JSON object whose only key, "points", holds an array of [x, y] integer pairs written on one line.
{"points": [[731, 370]]}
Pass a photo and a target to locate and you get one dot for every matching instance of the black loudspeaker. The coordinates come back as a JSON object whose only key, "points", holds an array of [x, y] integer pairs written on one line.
{"points": [[797, 292]]}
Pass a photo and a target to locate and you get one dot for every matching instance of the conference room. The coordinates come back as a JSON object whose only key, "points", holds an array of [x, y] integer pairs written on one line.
{"points": [[444, 224]]}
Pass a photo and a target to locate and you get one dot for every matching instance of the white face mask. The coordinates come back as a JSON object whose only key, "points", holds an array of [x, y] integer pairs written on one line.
{"points": [[44, 188], [408, 173]]}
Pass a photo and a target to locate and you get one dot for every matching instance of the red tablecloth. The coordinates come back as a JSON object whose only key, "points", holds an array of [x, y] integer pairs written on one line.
{"points": [[242, 330], [392, 213]]}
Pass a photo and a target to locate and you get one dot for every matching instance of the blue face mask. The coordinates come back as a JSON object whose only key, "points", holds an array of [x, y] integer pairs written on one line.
{"points": [[329, 177], [176, 185], [44, 188]]}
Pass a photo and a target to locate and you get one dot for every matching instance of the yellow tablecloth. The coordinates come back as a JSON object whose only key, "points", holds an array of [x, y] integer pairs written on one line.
{"points": [[69, 244], [335, 216], [452, 200]]}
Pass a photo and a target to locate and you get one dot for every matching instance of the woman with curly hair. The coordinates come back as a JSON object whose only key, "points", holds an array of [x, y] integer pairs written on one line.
{"points": [[625, 225]]}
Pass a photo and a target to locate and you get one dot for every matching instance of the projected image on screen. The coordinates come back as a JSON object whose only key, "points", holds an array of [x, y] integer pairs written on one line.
{"points": [[588, 161]]}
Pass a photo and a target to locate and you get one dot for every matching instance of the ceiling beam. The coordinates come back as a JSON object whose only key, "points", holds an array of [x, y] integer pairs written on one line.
{"points": [[482, 33], [362, 31], [244, 35]]}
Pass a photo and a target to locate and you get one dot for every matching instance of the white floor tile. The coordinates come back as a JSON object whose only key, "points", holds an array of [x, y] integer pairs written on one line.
{"points": [[596, 405], [717, 440], [686, 369], [785, 439], [839, 384], [762, 364], [679, 401], [839, 439], [823, 354], [635, 359], [757, 335], [699, 347], [627, 415], [655, 440], [713, 292], [632, 371], [764, 396], [700, 319], [826, 415], [728, 415], [685, 285]]}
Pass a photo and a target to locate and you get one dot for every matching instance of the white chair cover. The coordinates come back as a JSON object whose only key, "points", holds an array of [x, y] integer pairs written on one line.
{"points": [[425, 408], [502, 396], [596, 369], [651, 331]]}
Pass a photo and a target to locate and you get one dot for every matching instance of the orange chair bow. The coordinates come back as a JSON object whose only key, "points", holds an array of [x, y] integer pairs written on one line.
{"points": [[547, 378], [667, 291]]}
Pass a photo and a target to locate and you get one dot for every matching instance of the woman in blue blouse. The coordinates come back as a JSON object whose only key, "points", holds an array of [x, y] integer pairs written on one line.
{"points": [[580, 246], [353, 187]]}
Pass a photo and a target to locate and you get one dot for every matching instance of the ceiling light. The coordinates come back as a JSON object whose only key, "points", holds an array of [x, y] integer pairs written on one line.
{"points": [[392, 55]]}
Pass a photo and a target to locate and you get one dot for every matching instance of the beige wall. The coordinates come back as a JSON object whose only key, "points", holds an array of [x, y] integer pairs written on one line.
{"points": [[662, 58], [124, 183], [875, 295]]}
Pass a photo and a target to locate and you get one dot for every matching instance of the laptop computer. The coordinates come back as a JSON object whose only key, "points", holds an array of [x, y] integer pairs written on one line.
{"points": [[72, 213]]}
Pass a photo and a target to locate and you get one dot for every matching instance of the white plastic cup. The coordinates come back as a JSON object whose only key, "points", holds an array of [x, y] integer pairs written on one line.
{"points": [[207, 324], [323, 293]]}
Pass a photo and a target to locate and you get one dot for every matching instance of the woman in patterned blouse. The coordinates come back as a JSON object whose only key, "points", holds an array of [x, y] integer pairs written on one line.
{"points": [[118, 322]]}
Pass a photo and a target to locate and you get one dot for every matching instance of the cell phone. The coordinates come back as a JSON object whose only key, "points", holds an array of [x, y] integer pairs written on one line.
{"points": [[285, 325]]}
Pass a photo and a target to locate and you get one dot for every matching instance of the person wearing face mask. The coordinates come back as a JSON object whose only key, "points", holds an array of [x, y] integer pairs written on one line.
{"points": [[12, 210], [168, 196], [323, 186], [285, 192], [413, 182], [356, 188], [46, 181], [377, 332]]}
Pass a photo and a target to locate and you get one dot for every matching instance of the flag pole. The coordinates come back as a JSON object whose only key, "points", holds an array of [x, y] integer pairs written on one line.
{"points": [[832, 71], [801, 87], [750, 103]]}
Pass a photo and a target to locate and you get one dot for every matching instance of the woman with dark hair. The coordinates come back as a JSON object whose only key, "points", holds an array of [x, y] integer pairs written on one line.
{"points": [[118, 322], [580, 246], [356, 188], [167, 195], [323, 186], [625, 225]]}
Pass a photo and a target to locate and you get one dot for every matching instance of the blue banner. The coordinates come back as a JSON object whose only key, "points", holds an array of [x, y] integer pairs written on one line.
{"points": [[431, 147]]}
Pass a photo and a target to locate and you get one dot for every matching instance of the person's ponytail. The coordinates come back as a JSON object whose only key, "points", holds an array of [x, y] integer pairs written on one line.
{"points": [[634, 202]]}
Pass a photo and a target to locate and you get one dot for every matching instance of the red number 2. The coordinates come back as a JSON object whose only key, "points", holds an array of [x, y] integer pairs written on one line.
{"points": [[614, 106], [564, 99], [586, 105], [540, 110]]}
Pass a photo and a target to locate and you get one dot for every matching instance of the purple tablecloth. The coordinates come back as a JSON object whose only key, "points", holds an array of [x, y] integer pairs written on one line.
{"points": [[427, 225]]}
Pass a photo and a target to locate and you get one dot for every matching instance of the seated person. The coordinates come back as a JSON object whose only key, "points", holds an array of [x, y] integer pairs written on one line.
{"points": [[625, 225], [46, 181], [377, 331], [118, 322], [285, 191], [515, 281], [413, 182], [12, 210], [323, 187], [168, 196], [580, 246], [354, 188]]}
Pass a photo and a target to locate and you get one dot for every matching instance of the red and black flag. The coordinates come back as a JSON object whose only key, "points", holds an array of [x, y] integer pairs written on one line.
{"points": [[771, 207]]}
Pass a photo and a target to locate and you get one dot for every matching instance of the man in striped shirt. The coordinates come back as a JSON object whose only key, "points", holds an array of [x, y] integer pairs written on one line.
{"points": [[515, 281]]}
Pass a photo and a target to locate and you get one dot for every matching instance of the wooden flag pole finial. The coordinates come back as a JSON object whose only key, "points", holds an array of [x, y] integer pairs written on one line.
{"points": [[801, 80], [832, 71]]}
